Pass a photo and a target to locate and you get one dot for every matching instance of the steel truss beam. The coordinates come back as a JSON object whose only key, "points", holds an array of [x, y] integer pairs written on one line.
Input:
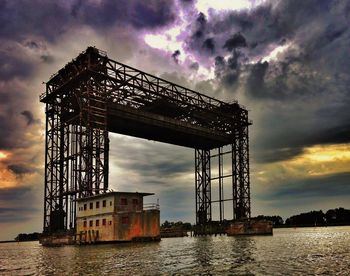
{"points": [[94, 94]]}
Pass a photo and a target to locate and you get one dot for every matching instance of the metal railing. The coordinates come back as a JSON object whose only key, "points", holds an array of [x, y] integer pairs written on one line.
{"points": [[151, 206]]}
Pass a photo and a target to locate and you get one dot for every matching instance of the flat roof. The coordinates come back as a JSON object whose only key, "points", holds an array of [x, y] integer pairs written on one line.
{"points": [[113, 193]]}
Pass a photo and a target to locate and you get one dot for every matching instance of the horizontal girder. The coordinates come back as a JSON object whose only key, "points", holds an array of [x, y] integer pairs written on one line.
{"points": [[149, 107]]}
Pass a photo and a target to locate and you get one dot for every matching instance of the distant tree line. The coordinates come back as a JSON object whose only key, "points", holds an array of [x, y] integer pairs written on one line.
{"points": [[332, 217], [276, 220], [179, 224], [338, 216], [28, 237]]}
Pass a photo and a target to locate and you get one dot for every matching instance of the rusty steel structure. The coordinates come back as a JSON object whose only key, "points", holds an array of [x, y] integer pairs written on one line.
{"points": [[94, 95]]}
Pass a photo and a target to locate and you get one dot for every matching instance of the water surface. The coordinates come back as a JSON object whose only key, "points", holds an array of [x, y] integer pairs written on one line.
{"points": [[300, 251]]}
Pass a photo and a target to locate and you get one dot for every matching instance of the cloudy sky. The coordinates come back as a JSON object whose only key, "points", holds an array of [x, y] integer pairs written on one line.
{"points": [[287, 61]]}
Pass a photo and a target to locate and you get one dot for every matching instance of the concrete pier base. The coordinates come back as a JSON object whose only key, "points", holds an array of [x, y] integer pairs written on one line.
{"points": [[57, 239], [250, 227]]}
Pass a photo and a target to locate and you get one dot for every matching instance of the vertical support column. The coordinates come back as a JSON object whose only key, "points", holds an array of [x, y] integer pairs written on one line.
{"points": [[76, 151], [47, 182], [245, 175], [93, 141], [240, 168], [203, 186], [72, 188], [235, 170], [54, 201], [221, 184]]}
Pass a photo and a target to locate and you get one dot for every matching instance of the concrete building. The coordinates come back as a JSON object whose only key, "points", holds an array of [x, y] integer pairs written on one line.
{"points": [[116, 217]]}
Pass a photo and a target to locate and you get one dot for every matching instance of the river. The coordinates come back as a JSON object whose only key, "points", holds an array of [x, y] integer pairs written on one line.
{"points": [[299, 251]]}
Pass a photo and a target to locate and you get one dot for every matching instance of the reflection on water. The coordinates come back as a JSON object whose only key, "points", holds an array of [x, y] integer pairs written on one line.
{"points": [[242, 255], [203, 248], [302, 251]]}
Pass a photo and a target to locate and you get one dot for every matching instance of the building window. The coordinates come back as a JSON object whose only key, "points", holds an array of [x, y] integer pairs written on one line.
{"points": [[97, 204], [103, 203], [91, 205], [104, 222], [124, 201], [85, 207], [90, 223], [110, 222], [97, 222], [135, 201], [110, 203], [125, 220], [85, 224]]}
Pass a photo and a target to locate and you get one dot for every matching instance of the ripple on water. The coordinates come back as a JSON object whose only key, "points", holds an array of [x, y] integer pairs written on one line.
{"points": [[303, 251]]}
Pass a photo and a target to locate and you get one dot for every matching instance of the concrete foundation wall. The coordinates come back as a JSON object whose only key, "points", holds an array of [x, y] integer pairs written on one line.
{"points": [[262, 227], [137, 225], [151, 223]]}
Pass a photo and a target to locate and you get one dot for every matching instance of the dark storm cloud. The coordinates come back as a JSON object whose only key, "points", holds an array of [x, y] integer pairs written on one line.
{"points": [[236, 41], [187, 2], [283, 132], [228, 70], [339, 134], [139, 14], [177, 202], [148, 164], [256, 79], [27, 26], [21, 18], [50, 19], [21, 169], [220, 66], [153, 14], [197, 39], [304, 90], [32, 45], [320, 31], [8, 130], [21, 198], [321, 187], [318, 28], [12, 124], [29, 117], [194, 66], [13, 66], [209, 44], [276, 154], [11, 194], [201, 21], [152, 159], [19, 203], [175, 56], [47, 58], [23, 213]]}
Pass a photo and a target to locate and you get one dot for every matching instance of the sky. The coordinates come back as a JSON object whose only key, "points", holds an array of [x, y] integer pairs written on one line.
{"points": [[286, 61]]}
